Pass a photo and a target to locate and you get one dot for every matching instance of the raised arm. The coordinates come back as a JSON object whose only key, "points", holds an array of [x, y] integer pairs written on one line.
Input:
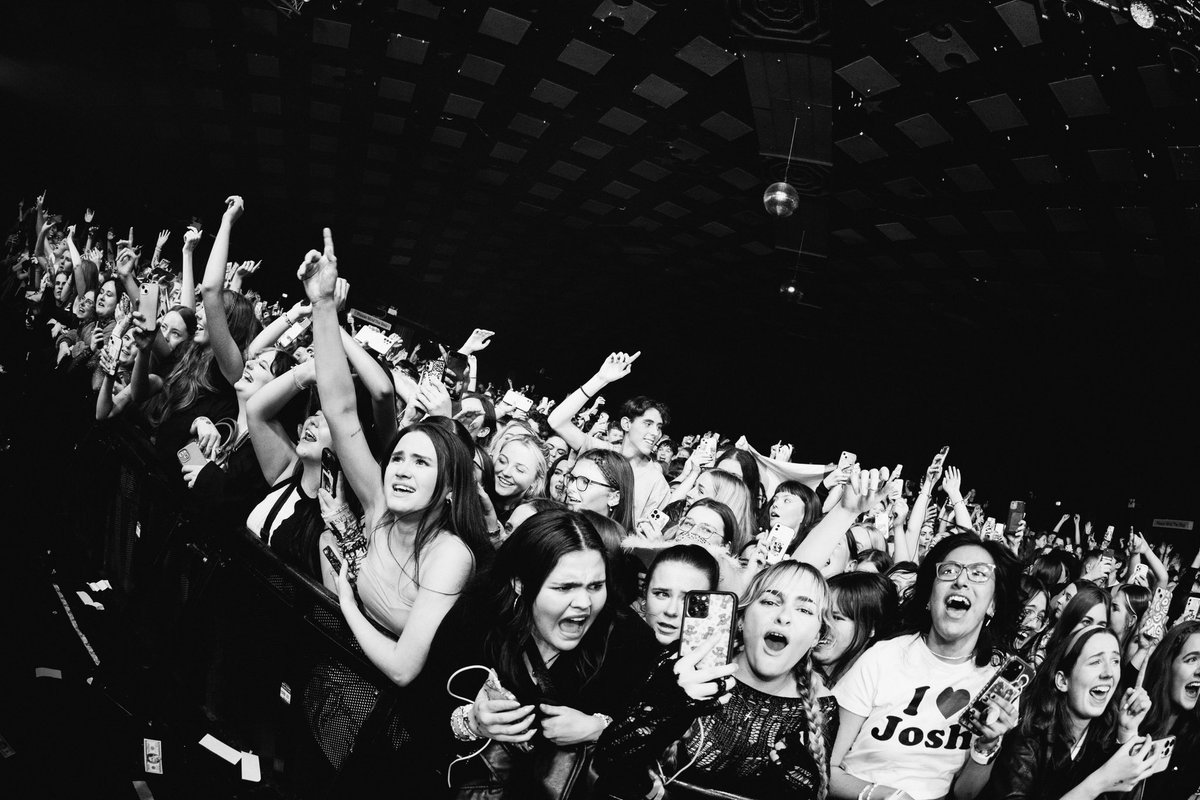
{"points": [[615, 367], [225, 349], [334, 382], [270, 334], [140, 385], [952, 486], [1157, 569], [865, 490], [187, 270], [272, 447], [77, 268]]}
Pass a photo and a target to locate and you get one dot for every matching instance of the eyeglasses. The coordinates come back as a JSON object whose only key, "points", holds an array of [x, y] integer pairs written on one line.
{"points": [[1033, 615], [702, 531], [582, 482], [976, 573]]}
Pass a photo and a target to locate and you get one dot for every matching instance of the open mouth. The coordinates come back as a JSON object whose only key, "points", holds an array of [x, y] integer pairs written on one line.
{"points": [[310, 434], [775, 641], [400, 488], [1100, 693], [574, 626], [1192, 690], [958, 604]]}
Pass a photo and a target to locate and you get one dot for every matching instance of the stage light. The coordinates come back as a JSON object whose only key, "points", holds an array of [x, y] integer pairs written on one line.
{"points": [[790, 290], [1142, 14], [780, 199]]}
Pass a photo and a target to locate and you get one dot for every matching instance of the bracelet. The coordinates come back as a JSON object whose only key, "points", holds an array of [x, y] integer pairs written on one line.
{"points": [[460, 724], [984, 757], [585, 394], [959, 502], [865, 792], [299, 386]]}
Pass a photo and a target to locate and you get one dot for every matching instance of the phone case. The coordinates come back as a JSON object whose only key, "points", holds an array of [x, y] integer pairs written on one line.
{"points": [[846, 459], [774, 546], [191, 453], [1155, 623], [939, 460], [708, 614], [1163, 748], [332, 558], [329, 471], [1007, 684]]}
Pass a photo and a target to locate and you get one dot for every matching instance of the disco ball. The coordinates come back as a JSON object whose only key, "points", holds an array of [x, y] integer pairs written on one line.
{"points": [[780, 200]]}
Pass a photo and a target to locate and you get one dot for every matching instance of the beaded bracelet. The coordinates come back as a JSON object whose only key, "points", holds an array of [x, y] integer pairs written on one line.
{"points": [[865, 792], [460, 723]]}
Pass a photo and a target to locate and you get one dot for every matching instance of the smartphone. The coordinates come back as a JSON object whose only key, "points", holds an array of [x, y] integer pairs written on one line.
{"points": [[939, 460], [1108, 533], [433, 370], [191, 454], [1154, 624], [1160, 752], [115, 340], [148, 302], [333, 559], [291, 337], [707, 615], [1007, 684], [1191, 609], [773, 547], [329, 472], [494, 690], [709, 444], [1141, 574], [1016, 513], [518, 400], [989, 529], [846, 459], [658, 521]]}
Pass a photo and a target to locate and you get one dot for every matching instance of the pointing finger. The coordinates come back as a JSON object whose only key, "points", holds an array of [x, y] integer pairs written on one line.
{"points": [[328, 242]]}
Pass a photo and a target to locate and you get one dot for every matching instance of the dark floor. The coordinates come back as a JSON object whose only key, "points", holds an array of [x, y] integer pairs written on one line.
{"points": [[81, 734]]}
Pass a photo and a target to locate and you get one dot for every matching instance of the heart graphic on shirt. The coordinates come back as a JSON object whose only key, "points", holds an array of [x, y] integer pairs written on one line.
{"points": [[952, 701]]}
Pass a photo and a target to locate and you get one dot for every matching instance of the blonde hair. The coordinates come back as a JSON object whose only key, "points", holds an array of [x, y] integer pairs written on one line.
{"points": [[732, 491], [807, 681], [534, 446]]}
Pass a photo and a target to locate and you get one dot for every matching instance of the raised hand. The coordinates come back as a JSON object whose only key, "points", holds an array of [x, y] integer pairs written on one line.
{"points": [[143, 332], [41, 200], [319, 271], [89, 215], [341, 292], [234, 206], [952, 483], [478, 340], [95, 256], [617, 366], [163, 235], [71, 231], [191, 238], [1135, 704], [247, 268], [865, 489], [126, 260]]}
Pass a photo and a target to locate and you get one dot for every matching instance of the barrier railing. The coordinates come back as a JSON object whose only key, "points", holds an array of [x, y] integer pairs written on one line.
{"points": [[261, 649]]}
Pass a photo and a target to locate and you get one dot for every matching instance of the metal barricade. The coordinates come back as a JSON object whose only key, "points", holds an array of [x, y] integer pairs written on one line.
{"points": [[258, 648]]}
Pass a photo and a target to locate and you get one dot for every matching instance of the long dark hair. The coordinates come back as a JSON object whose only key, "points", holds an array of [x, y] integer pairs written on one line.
{"points": [[693, 555], [1137, 600], [870, 600], [1158, 686], [1088, 596], [994, 635], [455, 504], [617, 472], [750, 475], [1045, 718], [193, 375], [812, 509], [528, 557]]}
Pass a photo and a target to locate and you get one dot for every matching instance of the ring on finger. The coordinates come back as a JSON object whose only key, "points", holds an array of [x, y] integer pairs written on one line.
{"points": [[722, 686]]}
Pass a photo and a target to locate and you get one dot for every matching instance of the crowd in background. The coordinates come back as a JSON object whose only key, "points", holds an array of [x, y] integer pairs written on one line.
{"points": [[527, 571]]}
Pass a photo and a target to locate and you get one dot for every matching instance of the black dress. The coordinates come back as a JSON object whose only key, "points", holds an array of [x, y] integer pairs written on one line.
{"points": [[756, 745], [1029, 768]]}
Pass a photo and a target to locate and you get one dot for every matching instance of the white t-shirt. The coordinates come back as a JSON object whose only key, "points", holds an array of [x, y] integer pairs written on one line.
{"points": [[911, 700], [650, 487]]}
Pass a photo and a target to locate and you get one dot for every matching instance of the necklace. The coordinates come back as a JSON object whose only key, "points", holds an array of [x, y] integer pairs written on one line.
{"points": [[946, 659]]}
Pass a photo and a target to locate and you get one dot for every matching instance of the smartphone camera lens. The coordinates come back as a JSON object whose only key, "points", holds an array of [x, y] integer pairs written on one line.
{"points": [[698, 606]]}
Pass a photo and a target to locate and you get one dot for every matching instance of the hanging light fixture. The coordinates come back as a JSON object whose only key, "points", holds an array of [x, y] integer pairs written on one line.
{"points": [[1142, 14], [789, 290], [781, 199]]}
